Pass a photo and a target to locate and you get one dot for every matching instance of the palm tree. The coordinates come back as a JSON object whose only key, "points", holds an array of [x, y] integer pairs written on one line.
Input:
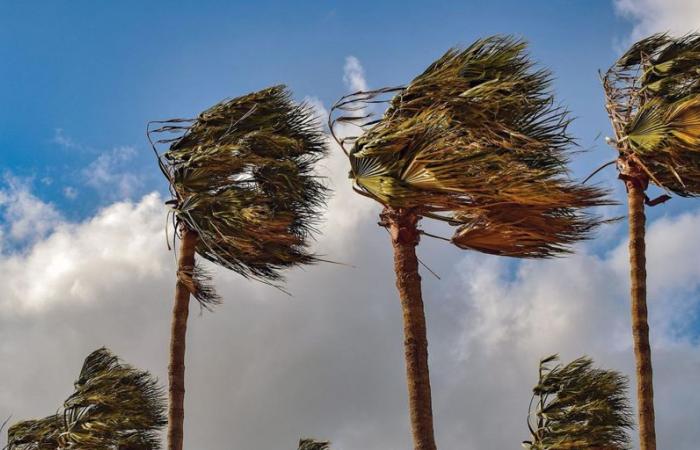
{"points": [[114, 407], [476, 142], [577, 406], [244, 197], [653, 100]]}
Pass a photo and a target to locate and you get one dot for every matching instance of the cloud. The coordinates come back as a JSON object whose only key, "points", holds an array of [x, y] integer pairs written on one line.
{"points": [[70, 192], [111, 174], [354, 75], [26, 217], [65, 141], [654, 16]]}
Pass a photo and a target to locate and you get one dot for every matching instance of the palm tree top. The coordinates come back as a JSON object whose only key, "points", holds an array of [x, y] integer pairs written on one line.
{"points": [[577, 406], [114, 406], [653, 98], [242, 177], [312, 444], [476, 141]]}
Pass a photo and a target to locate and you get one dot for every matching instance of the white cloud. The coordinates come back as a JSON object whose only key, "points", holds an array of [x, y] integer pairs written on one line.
{"points": [[67, 266], [111, 175], [654, 16], [27, 217], [354, 75]]}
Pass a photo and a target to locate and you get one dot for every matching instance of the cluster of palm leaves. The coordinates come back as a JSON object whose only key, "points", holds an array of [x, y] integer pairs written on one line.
{"points": [[577, 406], [310, 444], [476, 141], [653, 97], [242, 177], [114, 407]]}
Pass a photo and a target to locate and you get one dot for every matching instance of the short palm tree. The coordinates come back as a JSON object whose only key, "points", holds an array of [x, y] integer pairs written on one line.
{"points": [[114, 407], [244, 197], [577, 406], [653, 100], [476, 142]]}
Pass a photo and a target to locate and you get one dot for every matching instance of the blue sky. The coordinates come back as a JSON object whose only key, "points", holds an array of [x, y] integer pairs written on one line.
{"points": [[85, 264], [81, 80]]}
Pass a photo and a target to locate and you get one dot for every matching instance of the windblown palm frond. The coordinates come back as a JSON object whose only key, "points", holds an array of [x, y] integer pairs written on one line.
{"points": [[38, 434], [241, 176], [310, 444], [578, 407], [114, 407], [476, 141], [653, 96]]}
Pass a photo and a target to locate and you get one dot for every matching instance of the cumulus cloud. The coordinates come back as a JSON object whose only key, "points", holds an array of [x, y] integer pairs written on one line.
{"points": [[26, 217], [654, 16]]}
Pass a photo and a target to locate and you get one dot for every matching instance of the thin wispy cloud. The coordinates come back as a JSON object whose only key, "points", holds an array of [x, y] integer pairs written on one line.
{"points": [[65, 141], [354, 75], [112, 174]]}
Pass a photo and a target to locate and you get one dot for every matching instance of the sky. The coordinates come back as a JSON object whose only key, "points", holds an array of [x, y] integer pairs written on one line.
{"points": [[84, 256]]}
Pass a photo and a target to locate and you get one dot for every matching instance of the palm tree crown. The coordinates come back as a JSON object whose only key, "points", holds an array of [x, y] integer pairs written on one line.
{"points": [[241, 176], [653, 98], [476, 141], [114, 406], [577, 406], [311, 444]]}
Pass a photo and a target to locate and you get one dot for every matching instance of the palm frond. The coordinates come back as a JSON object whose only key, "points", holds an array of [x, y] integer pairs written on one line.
{"points": [[653, 98], [311, 444], [478, 131], [39, 434], [577, 406], [242, 176], [114, 406]]}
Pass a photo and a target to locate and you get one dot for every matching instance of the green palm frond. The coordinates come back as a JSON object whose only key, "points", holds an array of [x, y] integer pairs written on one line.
{"points": [[39, 434], [577, 407], [114, 406], [310, 444], [476, 133], [242, 177], [654, 100]]}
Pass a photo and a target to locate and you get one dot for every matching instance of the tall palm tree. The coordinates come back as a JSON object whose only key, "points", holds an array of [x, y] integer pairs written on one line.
{"points": [[476, 142], [244, 197], [114, 407], [653, 100], [577, 406]]}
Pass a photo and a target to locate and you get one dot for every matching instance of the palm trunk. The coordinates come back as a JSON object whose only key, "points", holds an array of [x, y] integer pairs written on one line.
{"points": [[402, 224], [640, 327], [178, 332]]}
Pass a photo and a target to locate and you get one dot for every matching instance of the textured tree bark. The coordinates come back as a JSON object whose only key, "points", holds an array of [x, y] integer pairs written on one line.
{"points": [[178, 332], [640, 326], [402, 224]]}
